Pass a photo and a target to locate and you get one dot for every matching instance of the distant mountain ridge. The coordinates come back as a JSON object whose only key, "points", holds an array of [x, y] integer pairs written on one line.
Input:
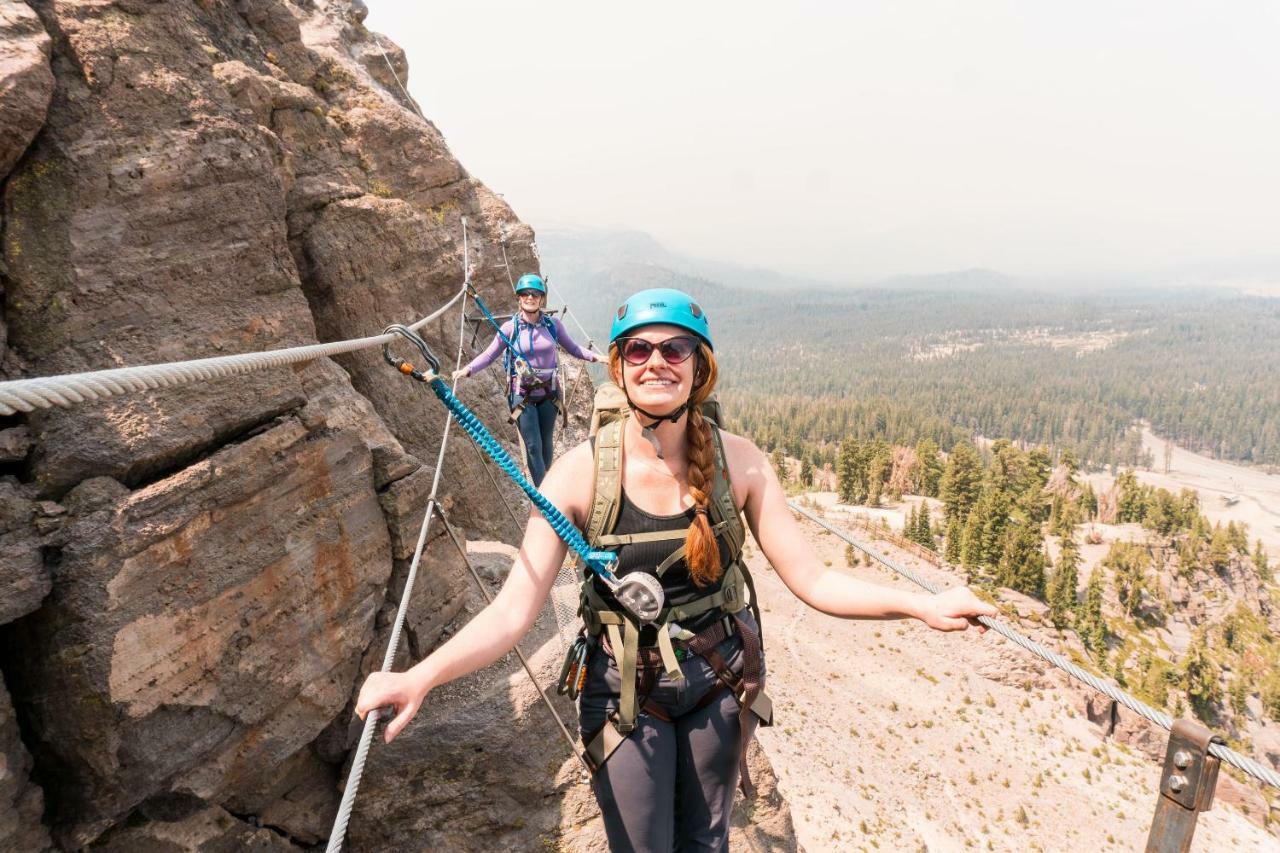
{"points": [[582, 251], [577, 251], [955, 354]]}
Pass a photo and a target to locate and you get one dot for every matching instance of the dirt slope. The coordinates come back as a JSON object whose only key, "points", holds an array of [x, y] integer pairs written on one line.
{"points": [[891, 736]]}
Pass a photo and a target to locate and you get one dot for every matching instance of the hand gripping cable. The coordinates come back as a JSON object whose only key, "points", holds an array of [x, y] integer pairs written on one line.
{"points": [[639, 593]]}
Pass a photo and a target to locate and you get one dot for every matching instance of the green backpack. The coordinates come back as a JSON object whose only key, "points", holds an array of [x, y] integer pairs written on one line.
{"points": [[736, 591]]}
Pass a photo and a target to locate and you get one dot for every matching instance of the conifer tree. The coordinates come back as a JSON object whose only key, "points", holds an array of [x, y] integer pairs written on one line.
{"points": [[1260, 561], [806, 471], [846, 471], [1238, 535], [971, 544], [952, 554], [929, 474], [1128, 562], [961, 481], [924, 528], [1201, 677], [993, 511], [909, 528], [779, 463], [877, 474], [1062, 588], [1091, 627], [1219, 549], [1021, 565], [1089, 502], [1129, 507]]}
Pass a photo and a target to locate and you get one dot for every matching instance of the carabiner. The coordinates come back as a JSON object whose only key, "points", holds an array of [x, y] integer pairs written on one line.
{"points": [[421, 345]]}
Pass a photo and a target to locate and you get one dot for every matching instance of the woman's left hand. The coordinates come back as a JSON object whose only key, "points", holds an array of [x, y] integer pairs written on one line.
{"points": [[598, 358], [955, 610]]}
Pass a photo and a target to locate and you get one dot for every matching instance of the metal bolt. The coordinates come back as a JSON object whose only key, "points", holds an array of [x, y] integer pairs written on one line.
{"points": [[1177, 783], [1182, 759]]}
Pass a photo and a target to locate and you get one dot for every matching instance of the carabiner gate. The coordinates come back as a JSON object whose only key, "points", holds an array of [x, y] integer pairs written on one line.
{"points": [[421, 345]]}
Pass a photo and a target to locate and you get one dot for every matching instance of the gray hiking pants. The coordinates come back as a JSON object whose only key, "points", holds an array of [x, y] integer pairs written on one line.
{"points": [[669, 786]]}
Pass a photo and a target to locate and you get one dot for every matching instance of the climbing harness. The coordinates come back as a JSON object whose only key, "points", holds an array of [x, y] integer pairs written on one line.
{"points": [[640, 595], [514, 361], [619, 635], [567, 397]]}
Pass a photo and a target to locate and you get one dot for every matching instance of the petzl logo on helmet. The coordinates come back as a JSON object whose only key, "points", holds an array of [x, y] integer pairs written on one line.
{"points": [[657, 305]]}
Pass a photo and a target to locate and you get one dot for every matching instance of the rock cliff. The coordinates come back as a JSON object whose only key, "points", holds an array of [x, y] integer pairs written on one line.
{"points": [[194, 581]]}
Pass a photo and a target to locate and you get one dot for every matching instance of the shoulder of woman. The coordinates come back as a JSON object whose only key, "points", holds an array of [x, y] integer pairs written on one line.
{"points": [[571, 478]]}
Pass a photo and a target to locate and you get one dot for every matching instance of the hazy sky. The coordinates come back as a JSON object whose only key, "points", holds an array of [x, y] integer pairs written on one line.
{"points": [[855, 139]]}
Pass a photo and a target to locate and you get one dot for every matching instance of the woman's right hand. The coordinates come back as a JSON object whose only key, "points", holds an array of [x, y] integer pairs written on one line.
{"points": [[461, 373], [397, 690]]}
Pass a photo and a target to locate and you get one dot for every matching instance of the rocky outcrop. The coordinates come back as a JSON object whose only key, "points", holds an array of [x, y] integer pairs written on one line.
{"points": [[205, 628], [26, 82], [21, 803], [193, 577], [194, 580]]}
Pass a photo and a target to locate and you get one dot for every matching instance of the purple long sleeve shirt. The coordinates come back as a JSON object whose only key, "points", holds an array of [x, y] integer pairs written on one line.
{"points": [[537, 345]]}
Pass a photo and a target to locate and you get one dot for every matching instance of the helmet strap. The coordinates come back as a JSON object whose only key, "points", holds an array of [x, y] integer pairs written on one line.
{"points": [[647, 431]]}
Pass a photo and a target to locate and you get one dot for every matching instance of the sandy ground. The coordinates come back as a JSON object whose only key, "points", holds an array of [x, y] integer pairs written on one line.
{"points": [[890, 736], [1258, 492]]}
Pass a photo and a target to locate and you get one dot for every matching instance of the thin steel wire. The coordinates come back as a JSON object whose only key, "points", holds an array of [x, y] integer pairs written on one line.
{"points": [[339, 832], [1242, 762], [524, 661]]}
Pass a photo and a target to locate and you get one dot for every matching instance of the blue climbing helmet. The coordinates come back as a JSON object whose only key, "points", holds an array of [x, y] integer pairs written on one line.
{"points": [[530, 281], [660, 305]]}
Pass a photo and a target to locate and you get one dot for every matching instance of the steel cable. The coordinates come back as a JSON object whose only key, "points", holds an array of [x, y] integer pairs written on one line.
{"points": [[1160, 718], [339, 831], [25, 395]]}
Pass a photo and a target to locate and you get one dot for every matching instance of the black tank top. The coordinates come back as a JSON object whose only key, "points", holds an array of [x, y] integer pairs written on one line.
{"points": [[677, 584]]}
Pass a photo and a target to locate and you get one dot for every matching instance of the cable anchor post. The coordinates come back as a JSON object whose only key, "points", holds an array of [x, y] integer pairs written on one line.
{"points": [[1187, 784]]}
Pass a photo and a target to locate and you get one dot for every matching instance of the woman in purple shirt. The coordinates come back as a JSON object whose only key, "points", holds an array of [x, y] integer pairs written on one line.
{"points": [[532, 391]]}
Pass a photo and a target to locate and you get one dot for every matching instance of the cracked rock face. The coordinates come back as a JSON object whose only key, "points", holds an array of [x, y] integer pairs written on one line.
{"points": [[206, 628], [196, 609]]}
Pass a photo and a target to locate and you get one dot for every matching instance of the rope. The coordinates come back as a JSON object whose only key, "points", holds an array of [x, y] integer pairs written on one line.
{"points": [[25, 395], [591, 344], [503, 244], [340, 821], [413, 105], [599, 561], [462, 551], [496, 326], [1241, 762]]}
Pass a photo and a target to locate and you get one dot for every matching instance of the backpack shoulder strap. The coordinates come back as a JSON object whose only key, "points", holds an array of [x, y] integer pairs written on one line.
{"points": [[550, 323], [724, 511], [606, 488]]}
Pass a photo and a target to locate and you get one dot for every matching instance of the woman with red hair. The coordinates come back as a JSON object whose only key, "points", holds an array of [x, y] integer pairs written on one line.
{"points": [[667, 707]]}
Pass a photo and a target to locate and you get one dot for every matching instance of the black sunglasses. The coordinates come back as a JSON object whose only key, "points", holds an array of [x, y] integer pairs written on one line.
{"points": [[673, 350]]}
